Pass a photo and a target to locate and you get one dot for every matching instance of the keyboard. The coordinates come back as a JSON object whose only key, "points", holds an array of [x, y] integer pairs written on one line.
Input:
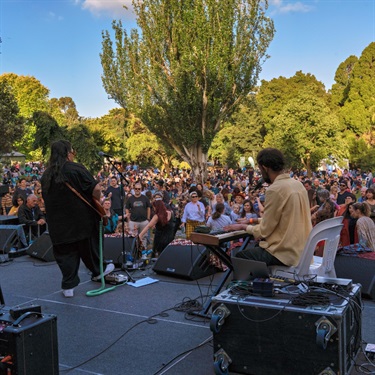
{"points": [[216, 238]]}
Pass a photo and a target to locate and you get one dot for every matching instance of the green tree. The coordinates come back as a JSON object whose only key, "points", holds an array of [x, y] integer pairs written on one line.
{"points": [[65, 111], [111, 132], [275, 94], [11, 122], [242, 136], [145, 148], [357, 111], [85, 144], [31, 96], [307, 131], [192, 65], [343, 76], [47, 131]]}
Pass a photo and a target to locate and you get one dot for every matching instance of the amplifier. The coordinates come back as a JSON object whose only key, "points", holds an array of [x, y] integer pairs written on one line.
{"points": [[258, 335], [28, 343]]}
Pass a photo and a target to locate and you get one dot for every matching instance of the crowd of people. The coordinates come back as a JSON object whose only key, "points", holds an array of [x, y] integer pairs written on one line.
{"points": [[156, 205]]}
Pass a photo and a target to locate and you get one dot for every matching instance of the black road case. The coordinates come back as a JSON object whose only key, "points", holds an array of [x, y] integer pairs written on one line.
{"points": [[28, 344], [270, 335]]}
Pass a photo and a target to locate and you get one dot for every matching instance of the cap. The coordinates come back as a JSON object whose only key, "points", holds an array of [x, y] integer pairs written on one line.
{"points": [[158, 194]]}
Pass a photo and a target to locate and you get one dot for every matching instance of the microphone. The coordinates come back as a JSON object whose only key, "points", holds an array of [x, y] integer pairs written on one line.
{"points": [[101, 153], [259, 184]]}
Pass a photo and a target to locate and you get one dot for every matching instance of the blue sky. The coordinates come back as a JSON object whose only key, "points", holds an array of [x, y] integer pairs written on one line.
{"points": [[59, 41]]}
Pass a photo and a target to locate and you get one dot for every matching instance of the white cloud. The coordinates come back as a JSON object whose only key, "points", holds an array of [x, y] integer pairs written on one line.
{"points": [[53, 17], [112, 7], [298, 7]]}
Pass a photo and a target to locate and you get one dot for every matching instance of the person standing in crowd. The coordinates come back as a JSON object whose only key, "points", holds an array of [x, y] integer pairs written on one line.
{"points": [[7, 201], [163, 221], [16, 205], [370, 200], [30, 215], [114, 193], [343, 193], [22, 190], [365, 226], [286, 223], [369, 179], [113, 218], [73, 225], [159, 186], [326, 210], [362, 197], [194, 214], [138, 211]]}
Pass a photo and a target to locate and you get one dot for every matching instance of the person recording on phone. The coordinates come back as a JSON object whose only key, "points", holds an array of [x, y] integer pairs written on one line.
{"points": [[286, 222]]}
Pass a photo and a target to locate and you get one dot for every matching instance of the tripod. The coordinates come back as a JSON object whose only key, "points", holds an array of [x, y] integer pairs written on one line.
{"points": [[122, 200]]}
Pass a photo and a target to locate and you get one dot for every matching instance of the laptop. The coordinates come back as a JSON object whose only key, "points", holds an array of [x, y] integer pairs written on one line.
{"points": [[247, 269]]}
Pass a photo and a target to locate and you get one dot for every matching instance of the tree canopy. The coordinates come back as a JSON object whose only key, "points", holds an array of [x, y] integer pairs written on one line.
{"points": [[307, 131], [359, 104], [192, 65], [11, 122]]}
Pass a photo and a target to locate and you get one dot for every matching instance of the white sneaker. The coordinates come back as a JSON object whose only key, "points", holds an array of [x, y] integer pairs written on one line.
{"points": [[109, 268], [68, 293]]}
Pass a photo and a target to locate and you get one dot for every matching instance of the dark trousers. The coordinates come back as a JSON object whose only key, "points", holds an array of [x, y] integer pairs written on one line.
{"points": [[68, 258], [255, 252]]}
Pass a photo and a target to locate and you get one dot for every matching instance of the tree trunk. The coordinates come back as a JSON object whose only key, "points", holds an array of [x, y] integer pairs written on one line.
{"points": [[307, 164], [197, 160]]}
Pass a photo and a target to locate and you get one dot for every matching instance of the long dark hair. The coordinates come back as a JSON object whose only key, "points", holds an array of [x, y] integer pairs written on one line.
{"points": [[59, 154], [161, 211], [243, 212], [219, 209]]}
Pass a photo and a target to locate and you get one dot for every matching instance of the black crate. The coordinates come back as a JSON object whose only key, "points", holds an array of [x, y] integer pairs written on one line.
{"points": [[31, 343], [259, 335]]}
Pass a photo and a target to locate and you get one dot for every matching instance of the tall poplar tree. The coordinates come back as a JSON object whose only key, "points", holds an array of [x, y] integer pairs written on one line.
{"points": [[191, 65], [359, 107], [11, 122]]}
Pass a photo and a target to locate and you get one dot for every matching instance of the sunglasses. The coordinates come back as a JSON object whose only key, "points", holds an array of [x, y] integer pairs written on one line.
{"points": [[194, 196], [137, 189]]}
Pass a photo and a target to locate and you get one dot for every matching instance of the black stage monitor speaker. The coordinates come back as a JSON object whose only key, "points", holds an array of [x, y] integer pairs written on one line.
{"points": [[360, 270], [10, 237], [41, 248], [188, 262], [112, 248]]}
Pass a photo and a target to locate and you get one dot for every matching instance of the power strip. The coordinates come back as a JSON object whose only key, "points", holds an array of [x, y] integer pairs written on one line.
{"points": [[370, 348]]}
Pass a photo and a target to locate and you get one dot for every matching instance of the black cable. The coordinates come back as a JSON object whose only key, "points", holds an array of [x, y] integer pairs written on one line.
{"points": [[207, 341], [149, 320]]}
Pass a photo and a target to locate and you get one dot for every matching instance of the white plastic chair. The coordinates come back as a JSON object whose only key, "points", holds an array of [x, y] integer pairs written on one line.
{"points": [[309, 266], [324, 266]]}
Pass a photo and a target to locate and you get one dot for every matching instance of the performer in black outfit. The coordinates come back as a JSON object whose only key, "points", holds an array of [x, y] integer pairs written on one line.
{"points": [[73, 225]]}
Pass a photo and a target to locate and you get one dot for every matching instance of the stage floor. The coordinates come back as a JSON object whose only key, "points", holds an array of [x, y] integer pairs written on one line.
{"points": [[136, 331]]}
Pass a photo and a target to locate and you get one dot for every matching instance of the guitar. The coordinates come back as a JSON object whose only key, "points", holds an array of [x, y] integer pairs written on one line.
{"points": [[97, 207], [100, 210]]}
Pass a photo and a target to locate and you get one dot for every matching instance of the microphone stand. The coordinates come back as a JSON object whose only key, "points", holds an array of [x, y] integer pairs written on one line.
{"points": [[122, 199]]}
